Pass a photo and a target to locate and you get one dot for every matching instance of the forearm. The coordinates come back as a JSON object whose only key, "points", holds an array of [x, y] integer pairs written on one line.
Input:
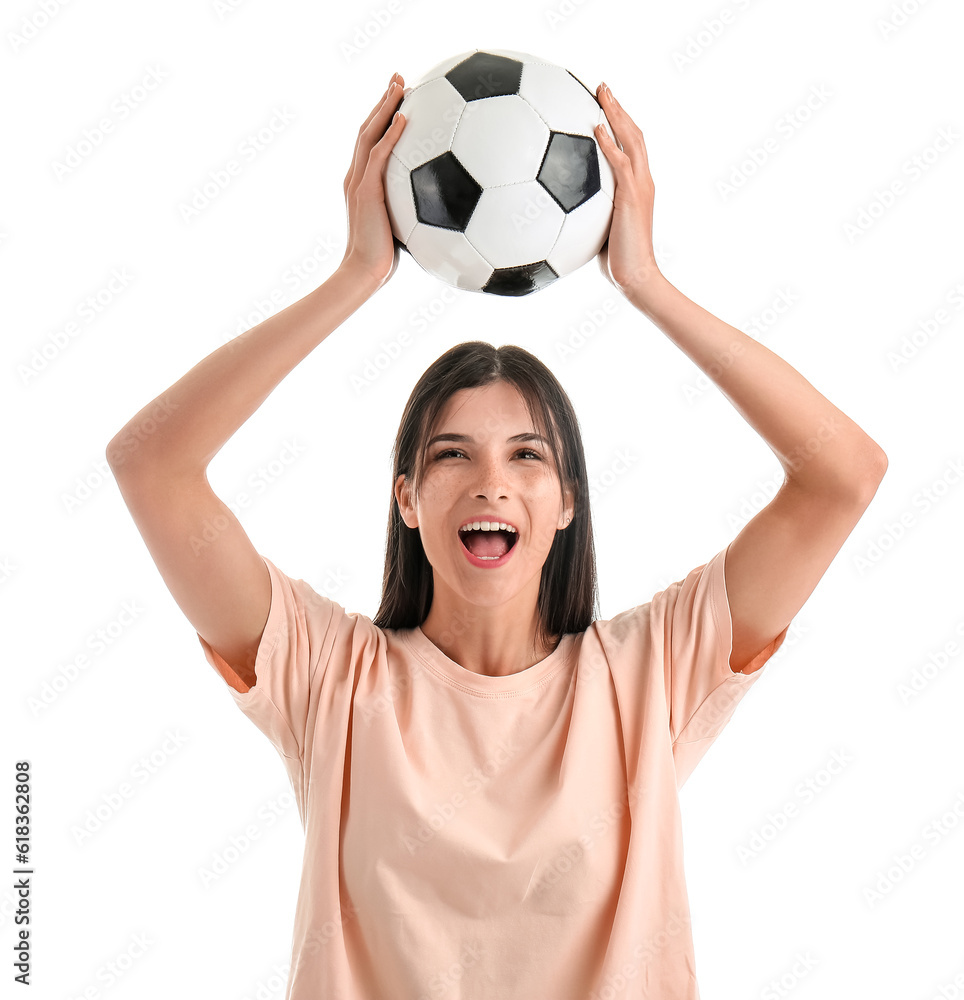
{"points": [[817, 444], [188, 424]]}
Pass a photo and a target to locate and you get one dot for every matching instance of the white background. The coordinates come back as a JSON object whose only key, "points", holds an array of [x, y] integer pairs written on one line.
{"points": [[72, 556]]}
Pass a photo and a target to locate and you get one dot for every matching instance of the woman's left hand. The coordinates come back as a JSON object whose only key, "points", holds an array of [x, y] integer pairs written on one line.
{"points": [[627, 258]]}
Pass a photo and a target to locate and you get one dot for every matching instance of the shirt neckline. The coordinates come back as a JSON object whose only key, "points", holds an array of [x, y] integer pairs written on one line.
{"points": [[484, 684]]}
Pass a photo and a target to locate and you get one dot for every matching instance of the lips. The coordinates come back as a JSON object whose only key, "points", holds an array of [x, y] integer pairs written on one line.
{"points": [[487, 555]]}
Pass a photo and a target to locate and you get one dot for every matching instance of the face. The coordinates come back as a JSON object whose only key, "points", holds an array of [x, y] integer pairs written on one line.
{"points": [[486, 473]]}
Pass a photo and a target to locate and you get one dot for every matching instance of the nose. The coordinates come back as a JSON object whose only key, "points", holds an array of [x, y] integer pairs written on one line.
{"points": [[490, 477]]}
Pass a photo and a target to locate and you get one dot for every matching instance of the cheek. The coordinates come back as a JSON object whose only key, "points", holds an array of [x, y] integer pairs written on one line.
{"points": [[433, 512], [543, 536], [437, 497], [543, 504]]}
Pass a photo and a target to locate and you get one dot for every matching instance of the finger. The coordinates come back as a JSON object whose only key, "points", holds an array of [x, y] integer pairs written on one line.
{"points": [[382, 118], [628, 133], [370, 174], [364, 125], [377, 125], [618, 159], [624, 128], [382, 149], [392, 133], [395, 81], [394, 91], [376, 120], [383, 139], [629, 163]]}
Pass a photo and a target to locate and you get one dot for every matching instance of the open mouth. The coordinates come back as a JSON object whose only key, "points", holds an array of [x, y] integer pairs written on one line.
{"points": [[488, 545]]}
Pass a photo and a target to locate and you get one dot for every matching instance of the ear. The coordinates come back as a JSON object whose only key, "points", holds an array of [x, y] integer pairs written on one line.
{"points": [[403, 495], [568, 509]]}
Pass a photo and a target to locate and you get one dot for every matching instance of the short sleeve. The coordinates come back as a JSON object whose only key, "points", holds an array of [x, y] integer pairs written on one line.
{"points": [[295, 645], [702, 691]]}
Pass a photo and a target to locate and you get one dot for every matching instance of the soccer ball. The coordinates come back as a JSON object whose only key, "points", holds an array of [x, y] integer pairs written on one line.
{"points": [[497, 183]]}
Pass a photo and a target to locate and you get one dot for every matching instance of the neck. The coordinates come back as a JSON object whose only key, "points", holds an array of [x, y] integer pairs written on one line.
{"points": [[495, 640]]}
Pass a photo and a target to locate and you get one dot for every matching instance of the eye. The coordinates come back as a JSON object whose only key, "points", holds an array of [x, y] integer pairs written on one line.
{"points": [[528, 452]]}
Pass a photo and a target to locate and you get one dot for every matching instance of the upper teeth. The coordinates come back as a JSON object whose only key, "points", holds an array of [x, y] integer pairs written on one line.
{"points": [[487, 526]]}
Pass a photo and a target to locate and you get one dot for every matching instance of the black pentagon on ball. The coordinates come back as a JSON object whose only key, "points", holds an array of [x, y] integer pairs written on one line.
{"points": [[485, 75], [445, 193], [570, 169], [520, 280]]}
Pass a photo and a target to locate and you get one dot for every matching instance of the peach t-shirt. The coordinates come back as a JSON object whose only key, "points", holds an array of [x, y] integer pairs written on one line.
{"points": [[470, 837]]}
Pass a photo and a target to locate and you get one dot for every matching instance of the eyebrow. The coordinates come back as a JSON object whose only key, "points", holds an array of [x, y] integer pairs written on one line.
{"points": [[467, 438]]}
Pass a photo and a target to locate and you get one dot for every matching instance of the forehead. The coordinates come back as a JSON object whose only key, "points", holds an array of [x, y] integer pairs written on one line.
{"points": [[489, 407]]}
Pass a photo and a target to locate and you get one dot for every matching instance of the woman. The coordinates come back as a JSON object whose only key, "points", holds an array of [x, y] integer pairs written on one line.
{"points": [[487, 776]]}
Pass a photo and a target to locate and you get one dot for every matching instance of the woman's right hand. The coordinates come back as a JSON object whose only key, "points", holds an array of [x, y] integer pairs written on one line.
{"points": [[371, 251]]}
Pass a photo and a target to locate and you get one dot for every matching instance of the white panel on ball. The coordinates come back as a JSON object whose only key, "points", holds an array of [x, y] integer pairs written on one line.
{"points": [[398, 198], [431, 114], [550, 90], [449, 256], [515, 224], [489, 127], [583, 235]]}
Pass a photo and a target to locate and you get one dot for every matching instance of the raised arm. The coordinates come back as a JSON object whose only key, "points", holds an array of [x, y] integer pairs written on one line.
{"points": [[832, 466], [160, 457]]}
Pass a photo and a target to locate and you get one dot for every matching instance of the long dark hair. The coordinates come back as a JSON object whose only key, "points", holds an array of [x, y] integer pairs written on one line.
{"points": [[568, 594]]}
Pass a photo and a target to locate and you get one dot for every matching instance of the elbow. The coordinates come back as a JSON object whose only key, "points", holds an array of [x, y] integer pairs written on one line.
{"points": [[112, 455], [867, 464], [877, 462], [141, 453], [120, 450], [852, 478], [115, 451], [875, 467]]}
